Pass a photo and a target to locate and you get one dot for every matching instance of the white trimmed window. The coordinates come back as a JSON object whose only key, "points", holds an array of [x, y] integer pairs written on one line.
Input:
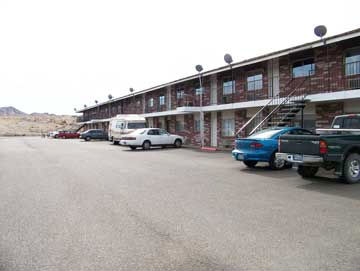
{"points": [[228, 87], [228, 127], [151, 102], [199, 91], [352, 62], [162, 100], [255, 82], [180, 94], [303, 68]]}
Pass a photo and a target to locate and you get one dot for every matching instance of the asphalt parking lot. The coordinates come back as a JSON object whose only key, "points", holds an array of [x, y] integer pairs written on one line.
{"points": [[75, 205]]}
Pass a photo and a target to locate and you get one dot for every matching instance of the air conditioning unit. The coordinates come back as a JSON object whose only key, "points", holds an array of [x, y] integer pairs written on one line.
{"points": [[225, 99]]}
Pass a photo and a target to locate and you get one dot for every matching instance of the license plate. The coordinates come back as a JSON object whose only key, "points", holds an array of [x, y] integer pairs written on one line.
{"points": [[240, 156], [297, 157]]}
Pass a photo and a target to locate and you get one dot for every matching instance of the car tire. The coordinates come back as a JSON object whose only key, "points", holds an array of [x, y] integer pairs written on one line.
{"points": [[116, 142], [307, 171], [64, 137], [146, 145], [88, 138], [56, 136], [132, 148], [352, 168], [177, 143], [250, 164], [275, 163]]}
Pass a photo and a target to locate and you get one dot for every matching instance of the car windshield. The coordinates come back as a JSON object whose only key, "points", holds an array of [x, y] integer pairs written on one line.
{"points": [[265, 134]]}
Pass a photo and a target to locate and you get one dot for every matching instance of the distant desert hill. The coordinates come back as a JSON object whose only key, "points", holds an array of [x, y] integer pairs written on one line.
{"points": [[13, 122], [10, 111]]}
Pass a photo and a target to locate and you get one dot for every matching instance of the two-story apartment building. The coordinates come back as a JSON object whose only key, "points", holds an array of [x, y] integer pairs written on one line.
{"points": [[326, 72]]}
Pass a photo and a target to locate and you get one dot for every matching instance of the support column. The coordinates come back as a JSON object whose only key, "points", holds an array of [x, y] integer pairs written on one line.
{"points": [[213, 126]]}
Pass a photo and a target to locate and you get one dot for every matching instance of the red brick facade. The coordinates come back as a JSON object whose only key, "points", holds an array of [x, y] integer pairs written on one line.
{"points": [[328, 76]]}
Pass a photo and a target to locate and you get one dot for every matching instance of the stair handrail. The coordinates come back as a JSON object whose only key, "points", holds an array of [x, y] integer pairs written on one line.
{"points": [[285, 99], [253, 117], [262, 109]]}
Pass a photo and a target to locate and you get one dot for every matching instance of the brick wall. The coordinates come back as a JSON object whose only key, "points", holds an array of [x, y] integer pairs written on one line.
{"points": [[325, 113]]}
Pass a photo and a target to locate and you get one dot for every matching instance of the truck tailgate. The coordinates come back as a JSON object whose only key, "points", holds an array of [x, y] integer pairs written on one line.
{"points": [[299, 144]]}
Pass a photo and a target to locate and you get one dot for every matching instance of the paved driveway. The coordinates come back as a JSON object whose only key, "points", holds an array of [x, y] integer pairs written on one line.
{"points": [[74, 205]]}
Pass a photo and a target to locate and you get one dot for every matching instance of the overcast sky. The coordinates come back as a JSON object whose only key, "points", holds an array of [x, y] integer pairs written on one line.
{"points": [[57, 55]]}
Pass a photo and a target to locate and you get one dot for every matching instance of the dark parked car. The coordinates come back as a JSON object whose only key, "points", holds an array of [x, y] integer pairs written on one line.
{"points": [[94, 134], [67, 134]]}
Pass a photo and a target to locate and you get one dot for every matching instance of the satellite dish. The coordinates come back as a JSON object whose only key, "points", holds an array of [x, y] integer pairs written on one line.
{"points": [[199, 68], [96, 101], [110, 96], [84, 105], [228, 59], [320, 31], [131, 90]]}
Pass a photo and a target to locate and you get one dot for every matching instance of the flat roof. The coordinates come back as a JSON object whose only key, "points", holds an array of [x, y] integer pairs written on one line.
{"points": [[340, 37]]}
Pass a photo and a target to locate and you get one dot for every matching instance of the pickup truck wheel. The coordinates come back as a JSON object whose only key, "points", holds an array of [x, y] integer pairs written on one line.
{"points": [[116, 142], [250, 163], [352, 168], [276, 163], [307, 172], [146, 145]]}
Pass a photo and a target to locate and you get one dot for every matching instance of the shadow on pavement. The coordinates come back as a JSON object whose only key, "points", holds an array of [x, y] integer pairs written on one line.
{"points": [[332, 186]]}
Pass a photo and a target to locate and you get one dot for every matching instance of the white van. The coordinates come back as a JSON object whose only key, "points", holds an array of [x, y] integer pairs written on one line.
{"points": [[124, 124]]}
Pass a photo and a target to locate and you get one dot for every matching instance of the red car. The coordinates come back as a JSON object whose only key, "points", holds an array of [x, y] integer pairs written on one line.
{"points": [[67, 134]]}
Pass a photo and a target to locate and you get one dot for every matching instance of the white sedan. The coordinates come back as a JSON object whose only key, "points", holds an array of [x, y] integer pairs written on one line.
{"points": [[148, 137]]}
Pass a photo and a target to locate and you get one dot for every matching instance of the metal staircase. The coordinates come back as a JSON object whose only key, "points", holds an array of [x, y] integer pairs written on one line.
{"points": [[279, 111]]}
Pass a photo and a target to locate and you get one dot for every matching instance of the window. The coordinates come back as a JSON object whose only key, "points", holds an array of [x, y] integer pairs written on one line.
{"points": [[153, 132], [228, 127], [120, 125], [162, 100], [151, 102], [303, 68], [163, 132], [352, 62], [255, 82], [228, 87], [199, 91], [180, 94], [197, 125], [136, 125]]}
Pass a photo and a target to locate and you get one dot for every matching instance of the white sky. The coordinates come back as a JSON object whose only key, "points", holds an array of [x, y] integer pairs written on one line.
{"points": [[57, 55]]}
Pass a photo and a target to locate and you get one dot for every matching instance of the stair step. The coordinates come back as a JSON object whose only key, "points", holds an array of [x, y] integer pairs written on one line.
{"points": [[287, 113], [293, 105]]}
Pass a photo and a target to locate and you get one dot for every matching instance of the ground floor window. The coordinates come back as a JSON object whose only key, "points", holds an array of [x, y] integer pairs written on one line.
{"points": [[228, 127]]}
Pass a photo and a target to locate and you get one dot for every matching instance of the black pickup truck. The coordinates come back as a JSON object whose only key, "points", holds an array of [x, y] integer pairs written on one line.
{"points": [[336, 148]]}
